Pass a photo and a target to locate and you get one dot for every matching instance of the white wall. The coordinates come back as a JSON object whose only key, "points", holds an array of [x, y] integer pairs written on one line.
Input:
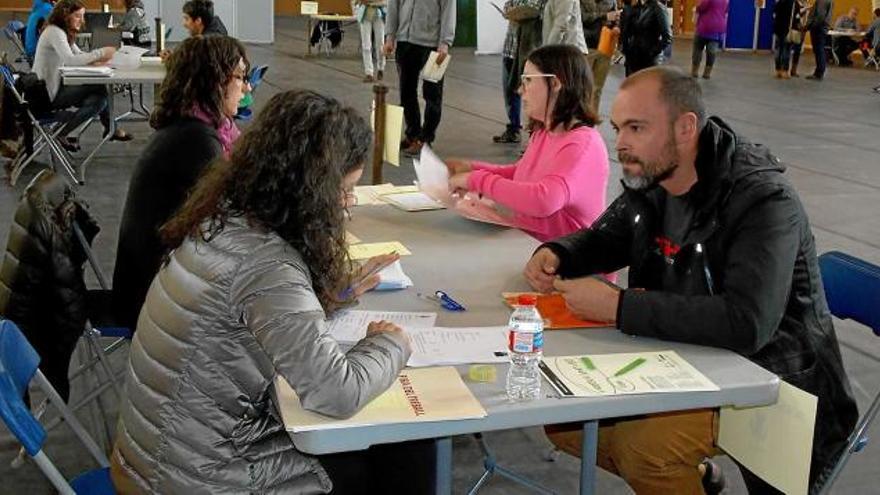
{"points": [[491, 28]]}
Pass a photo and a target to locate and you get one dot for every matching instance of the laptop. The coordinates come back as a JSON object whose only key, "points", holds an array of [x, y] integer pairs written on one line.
{"points": [[97, 20], [105, 37]]}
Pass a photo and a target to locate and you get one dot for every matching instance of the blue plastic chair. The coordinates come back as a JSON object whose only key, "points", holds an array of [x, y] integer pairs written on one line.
{"points": [[18, 367], [245, 113], [852, 287]]}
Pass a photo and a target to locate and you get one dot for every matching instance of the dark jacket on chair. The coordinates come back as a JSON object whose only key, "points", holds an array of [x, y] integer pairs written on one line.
{"points": [[167, 169], [42, 288], [744, 278]]}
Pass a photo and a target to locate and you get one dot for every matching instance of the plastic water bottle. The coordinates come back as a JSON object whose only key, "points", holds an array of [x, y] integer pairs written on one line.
{"points": [[526, 346]]}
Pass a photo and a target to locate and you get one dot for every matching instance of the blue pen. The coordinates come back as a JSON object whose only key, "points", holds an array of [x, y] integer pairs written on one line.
{"points": [[448, 302]]}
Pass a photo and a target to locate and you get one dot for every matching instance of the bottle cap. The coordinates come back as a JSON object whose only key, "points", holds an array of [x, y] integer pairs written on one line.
{"points": [[527, 300]]}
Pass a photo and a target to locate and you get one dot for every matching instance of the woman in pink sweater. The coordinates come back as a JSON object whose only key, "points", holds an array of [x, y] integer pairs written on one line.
{"points": [[558, 186]]}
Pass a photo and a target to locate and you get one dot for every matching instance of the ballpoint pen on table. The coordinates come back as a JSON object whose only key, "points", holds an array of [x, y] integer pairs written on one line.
{"points": [[378, 268]]}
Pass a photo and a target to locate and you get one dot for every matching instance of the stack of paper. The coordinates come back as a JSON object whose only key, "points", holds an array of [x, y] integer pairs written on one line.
{"points": [[432, 394], [87, 71], [372, 195], [438, 346]]}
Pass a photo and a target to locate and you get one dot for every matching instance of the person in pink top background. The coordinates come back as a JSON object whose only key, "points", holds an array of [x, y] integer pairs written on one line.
{"points": [[558, 186]]}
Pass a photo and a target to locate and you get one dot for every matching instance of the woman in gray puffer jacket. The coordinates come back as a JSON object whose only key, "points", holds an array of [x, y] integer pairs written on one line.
{"points": [[260, 257]]}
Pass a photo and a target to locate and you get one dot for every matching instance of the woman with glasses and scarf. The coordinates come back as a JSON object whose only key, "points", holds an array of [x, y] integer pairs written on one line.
{"points": [[193, 122]]}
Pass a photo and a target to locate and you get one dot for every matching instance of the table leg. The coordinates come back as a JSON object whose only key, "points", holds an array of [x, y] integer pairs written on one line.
{"points": [[309, 35], [588, 457], [110, 132], [444, 466]]}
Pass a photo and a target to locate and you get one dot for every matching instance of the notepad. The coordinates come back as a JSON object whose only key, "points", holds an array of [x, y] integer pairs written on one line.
{"points": [[370, 249], [432, 72], [412, 201], [554, 311]]}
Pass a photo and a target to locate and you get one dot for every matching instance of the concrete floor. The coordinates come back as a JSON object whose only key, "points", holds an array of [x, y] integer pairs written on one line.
{"points": [[826, 133]]}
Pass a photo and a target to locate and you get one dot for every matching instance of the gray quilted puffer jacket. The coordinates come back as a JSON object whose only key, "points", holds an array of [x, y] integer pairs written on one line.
{"points": [[221, 319]]}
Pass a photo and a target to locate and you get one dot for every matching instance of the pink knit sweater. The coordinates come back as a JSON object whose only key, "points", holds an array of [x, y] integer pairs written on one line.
{"points": [[556, 188]]}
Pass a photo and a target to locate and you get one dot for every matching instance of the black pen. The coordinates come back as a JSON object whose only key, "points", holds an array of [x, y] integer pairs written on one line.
{"points": [[554, 379]]}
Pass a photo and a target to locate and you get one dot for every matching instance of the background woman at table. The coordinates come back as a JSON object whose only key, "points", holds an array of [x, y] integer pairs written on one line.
{"points": [[135, 22], [558, 186], [193, 121], [258, 259], [56, 49]]}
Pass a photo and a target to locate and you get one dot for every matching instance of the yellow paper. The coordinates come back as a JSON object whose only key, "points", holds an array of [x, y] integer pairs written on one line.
{"points": [[418, 395], [369, 195], [393, 132], [370, 249], [775, 442], [351, 238]]}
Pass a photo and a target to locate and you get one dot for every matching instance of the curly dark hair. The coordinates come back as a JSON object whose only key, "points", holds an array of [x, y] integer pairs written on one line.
{"points": [[570, 67], [61, 11], [285, 175], [196, 69]]}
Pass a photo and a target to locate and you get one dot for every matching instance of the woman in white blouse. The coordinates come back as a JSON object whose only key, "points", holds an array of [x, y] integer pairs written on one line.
{"points": [[56, 49]]}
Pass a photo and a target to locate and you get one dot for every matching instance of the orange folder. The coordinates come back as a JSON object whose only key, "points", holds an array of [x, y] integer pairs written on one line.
{"points": [[554, 311]]}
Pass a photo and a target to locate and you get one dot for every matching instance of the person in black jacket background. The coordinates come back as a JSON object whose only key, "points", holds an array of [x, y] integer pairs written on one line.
{"points": [[644, 34], [200, 94], [720, 253]]}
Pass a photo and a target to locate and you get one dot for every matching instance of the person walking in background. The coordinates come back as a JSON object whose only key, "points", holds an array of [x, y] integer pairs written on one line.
{"points": [[644, 34], [415, 28], [596, 14], [523, 29], [711, 27], [818, 22], [371, 19], [35, 24], [786, 18], [135, 22]]}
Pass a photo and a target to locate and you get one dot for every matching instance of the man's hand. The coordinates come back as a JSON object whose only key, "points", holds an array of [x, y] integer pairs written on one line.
{"points": [[442, 52], [541, 269], [390, 44], [164, 54], [590, 299]]}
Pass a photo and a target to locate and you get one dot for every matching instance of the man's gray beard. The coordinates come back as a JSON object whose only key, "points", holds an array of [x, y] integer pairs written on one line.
{"points": [[637, 182]]}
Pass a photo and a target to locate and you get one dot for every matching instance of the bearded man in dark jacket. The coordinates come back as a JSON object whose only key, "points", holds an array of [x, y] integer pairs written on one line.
{"points": [[720, 253]]}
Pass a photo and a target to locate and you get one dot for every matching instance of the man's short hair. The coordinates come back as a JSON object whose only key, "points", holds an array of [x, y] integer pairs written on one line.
{"points": [[200, 9], [678, 90]]}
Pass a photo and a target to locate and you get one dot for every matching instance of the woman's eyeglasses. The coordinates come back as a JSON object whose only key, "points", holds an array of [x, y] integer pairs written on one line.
{"points": [[527, 78]]}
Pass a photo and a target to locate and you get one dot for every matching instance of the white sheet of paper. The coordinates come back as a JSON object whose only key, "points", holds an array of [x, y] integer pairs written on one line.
{"points": [[392, 277], [412, 201], [128, 57], [775, 442], [308, 8], [449, 346], [432, 72], [102, 71], [351, 326], [433, 176]]}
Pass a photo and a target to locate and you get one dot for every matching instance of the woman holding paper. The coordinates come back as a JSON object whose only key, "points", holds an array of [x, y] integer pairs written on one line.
{"points": [[56, 49], [558, 186], [259, 257]]}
